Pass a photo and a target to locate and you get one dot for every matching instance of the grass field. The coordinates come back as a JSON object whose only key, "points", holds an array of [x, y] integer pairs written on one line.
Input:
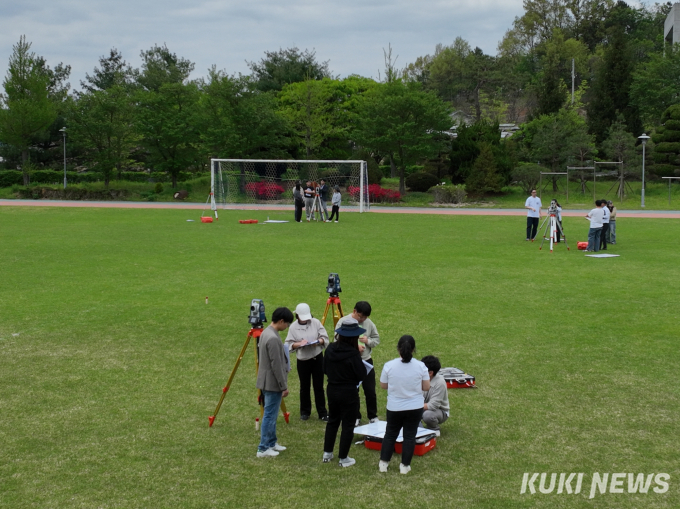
{"points": [[111, 362]]}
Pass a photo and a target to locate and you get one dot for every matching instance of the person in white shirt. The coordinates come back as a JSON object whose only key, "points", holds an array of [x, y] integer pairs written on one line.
{"points": [[308, 339], [595, 216], [534, 205], [605, 225], [405, 379]]}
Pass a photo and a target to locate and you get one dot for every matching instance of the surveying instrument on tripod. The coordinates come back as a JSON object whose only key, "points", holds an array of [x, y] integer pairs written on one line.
{"points": [[256, 320], [316, 206], [333, 303], [553, 225]]}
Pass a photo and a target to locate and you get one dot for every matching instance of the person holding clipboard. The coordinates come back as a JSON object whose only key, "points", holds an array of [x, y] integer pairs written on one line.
{"points": [[308, 339]]}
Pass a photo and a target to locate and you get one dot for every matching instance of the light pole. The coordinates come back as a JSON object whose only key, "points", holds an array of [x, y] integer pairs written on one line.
{"points": [[643, 137], [63, 131]]}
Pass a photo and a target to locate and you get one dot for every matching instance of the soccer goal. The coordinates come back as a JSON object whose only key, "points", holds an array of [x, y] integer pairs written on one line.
{"points": [[234, 181]]}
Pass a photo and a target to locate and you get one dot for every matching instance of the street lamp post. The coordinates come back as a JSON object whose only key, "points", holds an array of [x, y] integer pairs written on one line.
{"points": [[63, 131], [643, 138]]}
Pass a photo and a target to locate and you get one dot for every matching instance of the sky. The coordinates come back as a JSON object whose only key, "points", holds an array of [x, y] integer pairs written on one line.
{"points": [[351, 34]]}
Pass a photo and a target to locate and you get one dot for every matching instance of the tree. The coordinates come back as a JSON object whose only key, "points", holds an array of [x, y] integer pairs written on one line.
{"points": [[286, 66], [161, 67], [168, 125], [102, 124], [402, 119], [613, 77], [238, 121], [667, 144], [312, 112], [484, 177], [113, 71], [656, 85], [25, 107]]}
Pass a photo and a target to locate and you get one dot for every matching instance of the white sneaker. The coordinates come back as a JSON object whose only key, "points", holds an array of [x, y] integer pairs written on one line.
{"points": [[278, 447], [375, 419], [327, 457], [269, 453], [357, 423], [336, 221], [347, 462], [404, 469], [382, 466]]}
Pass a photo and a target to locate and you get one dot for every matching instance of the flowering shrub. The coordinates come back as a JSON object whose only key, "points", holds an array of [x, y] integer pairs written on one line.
{"points": [[376, 194], [264, 190]]}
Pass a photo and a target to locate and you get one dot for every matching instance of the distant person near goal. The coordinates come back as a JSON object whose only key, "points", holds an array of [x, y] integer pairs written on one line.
{"points": [[534, 205]]}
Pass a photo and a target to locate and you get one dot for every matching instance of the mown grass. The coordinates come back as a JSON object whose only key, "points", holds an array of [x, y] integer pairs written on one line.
{"points": [[112, 362]]}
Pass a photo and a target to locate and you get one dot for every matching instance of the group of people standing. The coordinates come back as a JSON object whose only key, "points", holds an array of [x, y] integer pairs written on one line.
{"points": [[415, 390], [602, 222], [306, 196], [602, 226]]}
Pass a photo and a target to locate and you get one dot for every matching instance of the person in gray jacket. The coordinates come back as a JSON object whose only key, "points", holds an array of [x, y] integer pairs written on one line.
{"points": [[371, 339], [272, 379], [436, 408]]}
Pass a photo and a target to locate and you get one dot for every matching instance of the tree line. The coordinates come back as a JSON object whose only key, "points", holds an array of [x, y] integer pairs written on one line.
{"points": [[625, 81]]}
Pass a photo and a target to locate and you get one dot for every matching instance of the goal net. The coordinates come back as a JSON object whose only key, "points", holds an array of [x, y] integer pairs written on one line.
{"points": [[271, 181]]}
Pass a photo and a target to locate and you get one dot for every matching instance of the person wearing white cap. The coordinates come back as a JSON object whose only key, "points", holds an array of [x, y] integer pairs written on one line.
{"points": [[308, 339]]}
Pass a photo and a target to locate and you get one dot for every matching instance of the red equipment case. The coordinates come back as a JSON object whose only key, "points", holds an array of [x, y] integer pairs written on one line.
{"points": [[423, 444]]}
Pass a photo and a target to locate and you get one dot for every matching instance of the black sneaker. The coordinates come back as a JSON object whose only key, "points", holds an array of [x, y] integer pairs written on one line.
{"points": [[304, 417], [324, 418]]}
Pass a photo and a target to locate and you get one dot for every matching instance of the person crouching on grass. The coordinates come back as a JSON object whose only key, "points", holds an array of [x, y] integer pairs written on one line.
{"points": [[344, 369], [405, 379], [272, 380], [308, 339], [436, 407]]}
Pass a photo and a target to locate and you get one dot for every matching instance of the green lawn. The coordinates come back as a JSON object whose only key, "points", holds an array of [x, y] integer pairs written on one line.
{"points": [[111, 362]]}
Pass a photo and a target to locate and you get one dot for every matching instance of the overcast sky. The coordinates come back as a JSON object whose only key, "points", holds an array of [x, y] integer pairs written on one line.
{"points": [[350, 33]]}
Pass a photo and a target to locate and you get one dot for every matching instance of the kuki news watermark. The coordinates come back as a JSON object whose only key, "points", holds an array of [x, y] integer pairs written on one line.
{"points": [[598, 483]]}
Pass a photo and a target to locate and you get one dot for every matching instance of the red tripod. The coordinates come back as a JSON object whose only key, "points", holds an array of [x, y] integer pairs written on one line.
{"points": [[255, 332]]}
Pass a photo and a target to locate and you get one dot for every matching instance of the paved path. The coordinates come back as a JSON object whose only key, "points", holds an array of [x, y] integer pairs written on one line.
{"points": [[452, 211]]}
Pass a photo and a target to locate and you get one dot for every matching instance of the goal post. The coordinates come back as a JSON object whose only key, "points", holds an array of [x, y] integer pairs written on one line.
{"points": [[257, 181]]}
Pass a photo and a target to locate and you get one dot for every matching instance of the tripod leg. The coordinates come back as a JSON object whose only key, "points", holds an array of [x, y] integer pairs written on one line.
{"points": [[286, 413], [211, 419], [562, 233], [544, 233], [325, 313], [338, 315], [540, 227]]}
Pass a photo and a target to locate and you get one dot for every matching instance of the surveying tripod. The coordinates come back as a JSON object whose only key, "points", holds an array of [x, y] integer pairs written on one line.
{"points": [[331, 303], [316, 207], [254, 333], [553, 224]]}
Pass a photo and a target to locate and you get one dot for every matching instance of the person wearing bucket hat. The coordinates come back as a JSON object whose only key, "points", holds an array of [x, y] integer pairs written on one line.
{"points": [[335, 202], [343, 366], [308, 339], [371, 339]]}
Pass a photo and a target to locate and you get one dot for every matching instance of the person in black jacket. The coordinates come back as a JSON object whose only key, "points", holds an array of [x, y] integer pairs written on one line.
{"points": [[343, 366]]}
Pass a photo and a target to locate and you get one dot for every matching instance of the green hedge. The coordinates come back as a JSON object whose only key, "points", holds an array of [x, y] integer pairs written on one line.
{"points": [[421, 181]]}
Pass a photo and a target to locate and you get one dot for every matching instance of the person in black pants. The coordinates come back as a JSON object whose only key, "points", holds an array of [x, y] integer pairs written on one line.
{"points": [[344, 369], [308, 339], [405, 379], [337, 198], [299, 202]]}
